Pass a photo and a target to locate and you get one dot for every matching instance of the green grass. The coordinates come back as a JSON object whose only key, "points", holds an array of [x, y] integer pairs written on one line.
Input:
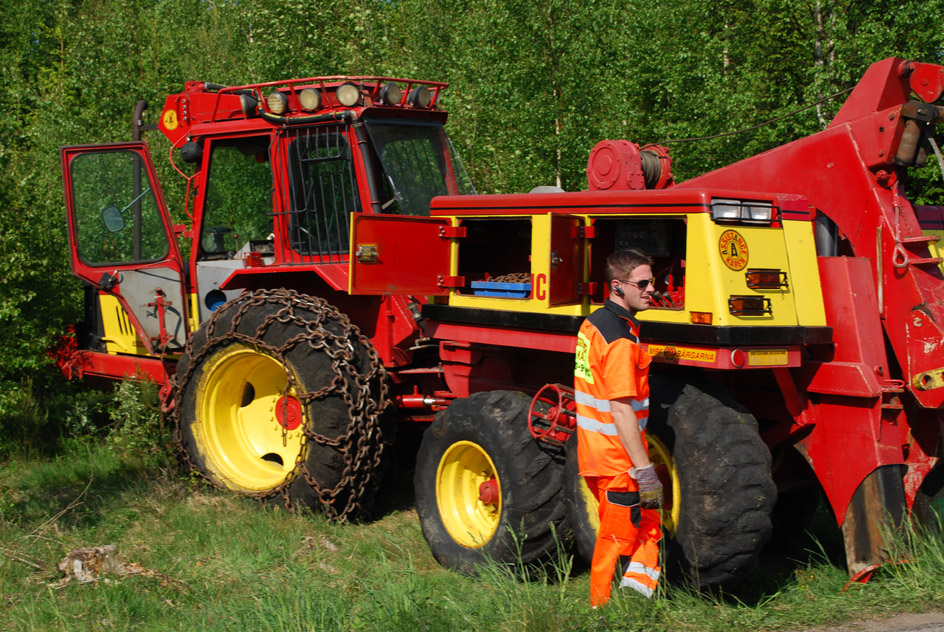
{"points": [[222, 563]]}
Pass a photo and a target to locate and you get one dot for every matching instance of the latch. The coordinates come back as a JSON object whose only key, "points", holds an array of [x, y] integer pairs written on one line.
{"points": [[161, 305], [367, 253]]}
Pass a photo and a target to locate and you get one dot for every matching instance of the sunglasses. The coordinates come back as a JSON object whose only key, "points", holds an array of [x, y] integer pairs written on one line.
{"points": [[640, 285]]}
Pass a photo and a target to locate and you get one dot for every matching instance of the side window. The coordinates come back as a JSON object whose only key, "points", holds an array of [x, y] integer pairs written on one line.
{"points": [[662, 239], [322, 191], [117, 219], [237, 212]]}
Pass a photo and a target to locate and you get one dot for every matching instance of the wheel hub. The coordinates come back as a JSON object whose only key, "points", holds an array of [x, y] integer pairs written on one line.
{"points": [[288, 412], [488, 492]]}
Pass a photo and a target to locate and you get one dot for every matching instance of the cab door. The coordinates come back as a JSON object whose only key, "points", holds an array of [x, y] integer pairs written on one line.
{"points": [[122, 243]]}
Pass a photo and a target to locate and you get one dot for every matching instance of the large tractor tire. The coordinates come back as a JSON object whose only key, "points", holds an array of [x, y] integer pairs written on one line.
{"points": [[715, 472], [485, 489], [278, 397]]}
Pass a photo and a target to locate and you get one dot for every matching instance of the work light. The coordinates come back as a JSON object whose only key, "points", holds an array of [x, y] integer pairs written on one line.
{"points": [[348, 94], [277, 102], [419, 97], [390, 94], [309, 99]]}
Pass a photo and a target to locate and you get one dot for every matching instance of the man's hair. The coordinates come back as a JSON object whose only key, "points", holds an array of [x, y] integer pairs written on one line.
{"points": [[621, 264]]}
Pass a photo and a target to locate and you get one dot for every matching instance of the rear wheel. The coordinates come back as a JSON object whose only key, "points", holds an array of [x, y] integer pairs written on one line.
{"points": [[485, 489], [278, 397], [715, 472]]}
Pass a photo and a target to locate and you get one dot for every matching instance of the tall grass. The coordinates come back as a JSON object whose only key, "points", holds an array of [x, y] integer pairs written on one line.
{"points": [[221, 563]]}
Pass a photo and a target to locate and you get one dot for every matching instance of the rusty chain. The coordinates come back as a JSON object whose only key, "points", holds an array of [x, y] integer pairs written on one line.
{"points": [[364, 393], [512, 277]]}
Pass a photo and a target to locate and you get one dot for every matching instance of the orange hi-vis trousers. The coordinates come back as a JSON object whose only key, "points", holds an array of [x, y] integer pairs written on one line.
{"points": [[629, 536]]}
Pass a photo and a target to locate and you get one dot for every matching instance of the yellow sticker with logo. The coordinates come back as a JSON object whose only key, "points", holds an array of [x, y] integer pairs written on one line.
{"points": [[582, 362], [671, 352], [733, 249], [170, 119]]}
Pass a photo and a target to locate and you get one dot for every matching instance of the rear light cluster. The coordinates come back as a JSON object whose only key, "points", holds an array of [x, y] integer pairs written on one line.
{"points": [[749, 306], [766, 279]]}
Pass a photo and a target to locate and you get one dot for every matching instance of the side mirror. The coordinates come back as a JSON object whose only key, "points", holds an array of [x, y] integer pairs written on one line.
{"points": [[113, 219]]}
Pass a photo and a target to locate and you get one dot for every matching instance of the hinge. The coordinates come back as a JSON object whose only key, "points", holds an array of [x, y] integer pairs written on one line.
{"points": [[450, 281], [587, 289], [587, 232], [452, 232]]}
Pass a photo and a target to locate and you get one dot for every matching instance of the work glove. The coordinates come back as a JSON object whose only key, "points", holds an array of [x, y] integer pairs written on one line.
{"points": [[650, 489]]}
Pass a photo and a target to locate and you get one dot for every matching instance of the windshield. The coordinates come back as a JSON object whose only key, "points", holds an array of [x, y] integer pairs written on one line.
{"points": [[418, 163]]}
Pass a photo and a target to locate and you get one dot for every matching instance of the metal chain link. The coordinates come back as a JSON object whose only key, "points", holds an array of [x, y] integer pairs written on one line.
{"points": [[363, 392]]}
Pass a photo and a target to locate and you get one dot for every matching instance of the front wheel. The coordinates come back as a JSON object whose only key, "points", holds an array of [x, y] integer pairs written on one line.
{"points": [[485, 489], [278, 397]]}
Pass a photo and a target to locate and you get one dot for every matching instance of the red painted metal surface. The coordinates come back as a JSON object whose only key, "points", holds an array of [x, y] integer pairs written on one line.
{"points": [[849, 174], [395, 254], [92, 364]]}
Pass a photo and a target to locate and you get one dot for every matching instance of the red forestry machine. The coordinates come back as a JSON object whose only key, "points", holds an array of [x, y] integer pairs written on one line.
{"points": [[338, 277]]}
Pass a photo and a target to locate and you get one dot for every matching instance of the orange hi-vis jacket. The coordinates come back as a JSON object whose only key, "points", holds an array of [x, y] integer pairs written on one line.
{"points": [[609, 365]]}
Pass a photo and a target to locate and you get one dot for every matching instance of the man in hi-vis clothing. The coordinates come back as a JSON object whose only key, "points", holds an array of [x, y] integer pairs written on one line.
{"points": [[611, 384]]}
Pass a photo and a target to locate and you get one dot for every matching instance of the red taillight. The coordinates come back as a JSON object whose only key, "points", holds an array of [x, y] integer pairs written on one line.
{"points": [[765, 279], [749, 306]]}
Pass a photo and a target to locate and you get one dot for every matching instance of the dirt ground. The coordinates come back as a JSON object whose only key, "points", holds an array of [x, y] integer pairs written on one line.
{"points": [[927, 622]]}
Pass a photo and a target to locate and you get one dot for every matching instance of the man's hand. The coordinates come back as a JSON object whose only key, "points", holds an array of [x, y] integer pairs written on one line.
{"points": [[650, 489]]}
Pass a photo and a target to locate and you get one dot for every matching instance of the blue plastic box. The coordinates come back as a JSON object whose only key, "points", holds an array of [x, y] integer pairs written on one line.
{"points": [[501, 290]]}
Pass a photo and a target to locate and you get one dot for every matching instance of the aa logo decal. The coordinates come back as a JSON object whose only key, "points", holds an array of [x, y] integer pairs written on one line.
{"points": [[170, 120], [733, 249]]}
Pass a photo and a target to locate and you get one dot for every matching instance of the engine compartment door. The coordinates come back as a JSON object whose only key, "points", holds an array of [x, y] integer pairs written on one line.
{"points": [[400, 254]]}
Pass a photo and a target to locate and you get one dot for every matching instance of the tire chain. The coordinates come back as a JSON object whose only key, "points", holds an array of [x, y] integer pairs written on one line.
{"points": [[362, 445]]}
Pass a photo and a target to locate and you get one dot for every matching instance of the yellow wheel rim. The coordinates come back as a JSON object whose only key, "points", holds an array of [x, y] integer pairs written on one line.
{"points": [[240, 411], [468, 493], [668, 475]]}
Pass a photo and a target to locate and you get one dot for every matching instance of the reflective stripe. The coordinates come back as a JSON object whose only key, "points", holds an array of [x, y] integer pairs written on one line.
{"points": [[638, 567], [642, 421], [592, 425], [637, 586], [602, 405]]}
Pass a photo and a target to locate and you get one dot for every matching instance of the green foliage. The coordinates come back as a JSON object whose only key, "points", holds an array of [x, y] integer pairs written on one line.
{"points": [[137, 425], [534, 85]]}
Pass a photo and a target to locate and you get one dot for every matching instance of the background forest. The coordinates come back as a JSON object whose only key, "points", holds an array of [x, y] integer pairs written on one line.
{"points": [[534, 85]]}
